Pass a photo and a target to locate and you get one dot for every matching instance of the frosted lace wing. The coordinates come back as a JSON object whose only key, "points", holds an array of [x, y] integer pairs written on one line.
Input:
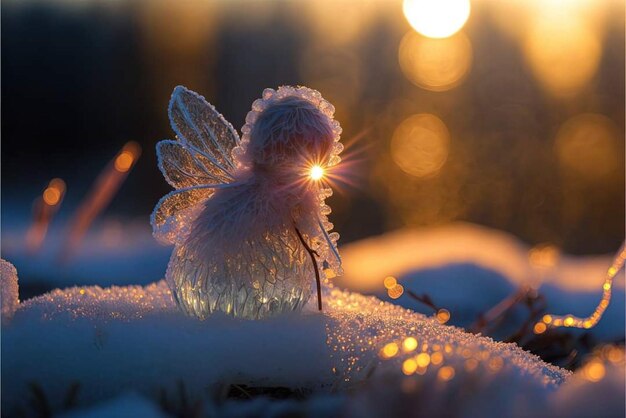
{"points": [[196, 164], [173, 215], [183, 167], [202, 128]]}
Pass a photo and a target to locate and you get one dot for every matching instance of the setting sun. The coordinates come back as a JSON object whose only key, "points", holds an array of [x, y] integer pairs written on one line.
{"points": [[437, 19]]}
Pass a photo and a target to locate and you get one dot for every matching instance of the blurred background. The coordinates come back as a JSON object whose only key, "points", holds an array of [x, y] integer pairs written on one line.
{"points": [[507, 114]]}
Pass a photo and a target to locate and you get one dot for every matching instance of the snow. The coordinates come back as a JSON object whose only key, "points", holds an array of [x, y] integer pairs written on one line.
{"points": [[9, 290], [117, 339], [503, 394], [468, 268], [121, 340], [403, 251], [125, 406], [111, 253], [581, 398]]}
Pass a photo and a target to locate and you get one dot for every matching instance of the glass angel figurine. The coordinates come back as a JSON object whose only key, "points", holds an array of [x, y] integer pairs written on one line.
{"points": [[248, 218]]}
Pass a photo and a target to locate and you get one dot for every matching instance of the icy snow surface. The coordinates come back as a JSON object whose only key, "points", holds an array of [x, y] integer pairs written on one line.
{"points": [[125, 406], [9, 290], [117, 339], [468, 268]]}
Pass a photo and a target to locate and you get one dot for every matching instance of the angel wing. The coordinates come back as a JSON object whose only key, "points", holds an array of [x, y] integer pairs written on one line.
{"points": [[196, 164]]}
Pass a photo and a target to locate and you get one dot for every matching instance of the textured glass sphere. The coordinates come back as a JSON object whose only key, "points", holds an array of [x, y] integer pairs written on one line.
{"points": [[271, 276]]}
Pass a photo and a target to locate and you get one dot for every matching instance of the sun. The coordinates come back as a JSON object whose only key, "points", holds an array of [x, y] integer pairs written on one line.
{"points": [[317, 172], [437, 18]]}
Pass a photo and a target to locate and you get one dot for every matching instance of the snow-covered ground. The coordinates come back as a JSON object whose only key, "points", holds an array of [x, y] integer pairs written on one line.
{"points": [[125, 345], [465, 268], [468, 269]]}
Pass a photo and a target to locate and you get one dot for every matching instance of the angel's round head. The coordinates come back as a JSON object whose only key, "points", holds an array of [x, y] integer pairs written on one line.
{"points": [[291, 139]]}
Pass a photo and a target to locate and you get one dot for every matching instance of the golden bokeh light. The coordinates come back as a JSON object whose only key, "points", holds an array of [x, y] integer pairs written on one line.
{"points": [[588, 147], [419, 145], [409, 344], [423, 359], [443, 316], [409, 366], [390, 350], [54, 192], [436, 358], [436, 19], [615, 354], [563, 54], [446, 373], [435, 64], [389, 282], [396, 291], [471, 364], [594, 371], [44, 209], [540, 328], [339, 22], [124, 161], [51, 196]]}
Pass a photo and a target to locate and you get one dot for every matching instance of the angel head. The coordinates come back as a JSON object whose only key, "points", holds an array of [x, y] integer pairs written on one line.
{"points": [[290, 136]]}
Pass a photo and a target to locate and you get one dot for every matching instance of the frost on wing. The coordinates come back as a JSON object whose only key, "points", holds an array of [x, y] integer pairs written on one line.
{"points": [[182, 167], [173, 215], [202, 128]]}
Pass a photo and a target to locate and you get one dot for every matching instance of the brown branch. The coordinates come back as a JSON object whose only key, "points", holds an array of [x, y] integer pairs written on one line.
{"points": [[424, 299], [313, 253]]}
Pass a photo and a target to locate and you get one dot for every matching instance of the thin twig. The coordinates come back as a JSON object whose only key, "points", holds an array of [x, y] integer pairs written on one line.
{"points": [[425, 299], [313, 253]]}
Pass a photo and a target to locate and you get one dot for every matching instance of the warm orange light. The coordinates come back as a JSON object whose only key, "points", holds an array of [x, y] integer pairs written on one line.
{"points": [[435, 64], [51, 196], [594, 371], [420, 145], [101, 193], [436, 19], [569, 60], [317, 172], [443, 315], [124, 161], [390, 282], [423, 359], [615, 355], [54, 192], [436, 358], [540, 328], [390, 350], [588, 147], [396, 291], [446, 373], [44, 210], [471, 364], [409, 366], [409, 344]]}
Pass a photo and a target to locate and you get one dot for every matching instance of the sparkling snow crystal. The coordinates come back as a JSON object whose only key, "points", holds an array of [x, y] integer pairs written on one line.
{"points": [[117, 339], [8, 290]]}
